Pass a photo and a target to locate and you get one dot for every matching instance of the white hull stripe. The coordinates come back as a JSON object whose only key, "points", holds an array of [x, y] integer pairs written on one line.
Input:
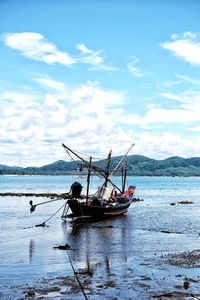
{"points": [[115, 213]]}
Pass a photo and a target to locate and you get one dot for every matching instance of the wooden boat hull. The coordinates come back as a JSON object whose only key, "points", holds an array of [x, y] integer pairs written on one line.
{"points": [[82, 209]]}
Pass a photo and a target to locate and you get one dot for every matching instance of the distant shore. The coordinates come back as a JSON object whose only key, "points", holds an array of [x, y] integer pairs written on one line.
{"points": [[84, 175], [137, 165]]}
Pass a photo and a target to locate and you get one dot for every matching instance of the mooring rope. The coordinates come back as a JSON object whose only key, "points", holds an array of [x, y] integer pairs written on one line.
{"points": [[75, 274]]}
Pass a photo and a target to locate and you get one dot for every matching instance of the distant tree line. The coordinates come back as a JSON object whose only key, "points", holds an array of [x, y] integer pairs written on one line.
{"points": [[137, 165]]}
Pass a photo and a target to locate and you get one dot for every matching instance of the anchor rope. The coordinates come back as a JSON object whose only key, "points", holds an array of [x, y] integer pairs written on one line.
{"points": [[94, 157], [65, 211], [75, 274]]}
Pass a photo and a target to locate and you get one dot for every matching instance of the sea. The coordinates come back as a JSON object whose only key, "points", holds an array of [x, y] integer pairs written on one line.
{"points": [[139, 255]]}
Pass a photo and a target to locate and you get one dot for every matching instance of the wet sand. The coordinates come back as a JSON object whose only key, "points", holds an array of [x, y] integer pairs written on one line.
{"points": [[167, 283]]}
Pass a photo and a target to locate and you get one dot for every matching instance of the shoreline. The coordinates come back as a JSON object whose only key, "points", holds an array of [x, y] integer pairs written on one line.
{"points": [[47, 195], [151, 285]]}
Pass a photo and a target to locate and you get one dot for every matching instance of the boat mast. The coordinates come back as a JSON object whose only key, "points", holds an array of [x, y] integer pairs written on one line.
{"points": [[107, 168], [124, 178], [88, 178]]}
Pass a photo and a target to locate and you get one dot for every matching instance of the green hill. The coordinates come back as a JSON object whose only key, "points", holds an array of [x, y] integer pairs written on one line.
{"points": [[173, 166], [137, 166]]}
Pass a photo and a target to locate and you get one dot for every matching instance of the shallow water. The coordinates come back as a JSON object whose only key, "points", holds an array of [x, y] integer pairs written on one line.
{"points": [[124, 254]]}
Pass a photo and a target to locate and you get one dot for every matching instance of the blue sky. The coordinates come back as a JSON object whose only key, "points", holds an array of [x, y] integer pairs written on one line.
{"points": [[97, 75]]}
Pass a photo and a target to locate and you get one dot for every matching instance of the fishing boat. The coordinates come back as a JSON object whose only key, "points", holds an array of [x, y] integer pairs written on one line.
{"points": [[109, 199]]}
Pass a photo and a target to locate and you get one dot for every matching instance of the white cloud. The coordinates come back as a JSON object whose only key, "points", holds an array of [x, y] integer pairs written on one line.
{"points": [[186, 110], [171, 96], [86, 117], [84, 49], [133, 69], [185, 35], [53, 85], [93, 58], [169, 116], [190, 35], [195, 129], [170, 84], [35, 46], [186, 47], [79, 117], [188, 79], [16, 97], [166, 145], [36, 130]]}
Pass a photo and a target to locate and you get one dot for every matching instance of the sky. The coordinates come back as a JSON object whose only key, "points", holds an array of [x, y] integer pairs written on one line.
{"points": [[98, 75]]}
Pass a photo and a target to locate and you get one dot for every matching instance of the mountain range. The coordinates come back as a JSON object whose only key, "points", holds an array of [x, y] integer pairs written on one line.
{"points": [[137, 166]]}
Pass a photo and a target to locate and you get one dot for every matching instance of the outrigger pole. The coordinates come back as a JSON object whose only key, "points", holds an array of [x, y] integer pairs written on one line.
{"points": [[33, 206]]}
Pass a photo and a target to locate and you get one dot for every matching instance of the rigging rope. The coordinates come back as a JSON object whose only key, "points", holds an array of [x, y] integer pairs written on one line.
{"points": [[70, 155], [95, 158]]}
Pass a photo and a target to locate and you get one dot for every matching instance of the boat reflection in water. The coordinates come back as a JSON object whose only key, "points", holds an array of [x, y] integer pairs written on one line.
{"points": [[31, 250], [98, 246]]}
